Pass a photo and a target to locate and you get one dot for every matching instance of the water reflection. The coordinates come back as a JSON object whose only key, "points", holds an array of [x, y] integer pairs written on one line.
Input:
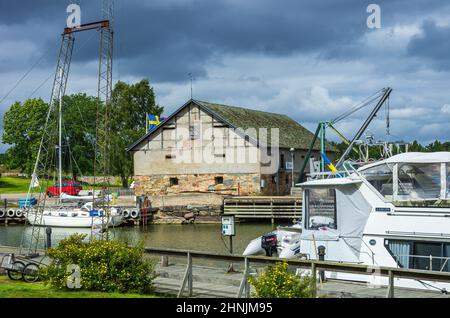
{"points": [[199, 237]]}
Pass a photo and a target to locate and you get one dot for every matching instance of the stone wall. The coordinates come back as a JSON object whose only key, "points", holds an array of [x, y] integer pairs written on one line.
{"points": [[233, 184]]}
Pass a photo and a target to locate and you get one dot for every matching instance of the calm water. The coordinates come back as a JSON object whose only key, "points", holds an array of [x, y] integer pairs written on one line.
{"points": [[198, 237]]}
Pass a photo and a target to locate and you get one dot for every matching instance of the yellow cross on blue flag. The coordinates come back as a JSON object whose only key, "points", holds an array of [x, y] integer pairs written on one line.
{"points": [[153, 121], [328, 162]]}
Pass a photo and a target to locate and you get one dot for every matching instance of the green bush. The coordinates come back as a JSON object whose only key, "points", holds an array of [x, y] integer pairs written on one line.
{"points": [[278, 282], [109, 266]]}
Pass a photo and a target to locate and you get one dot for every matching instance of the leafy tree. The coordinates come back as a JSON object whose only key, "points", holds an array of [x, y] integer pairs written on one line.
{"points": [[23, 126], [79, 122], [130, 103]]}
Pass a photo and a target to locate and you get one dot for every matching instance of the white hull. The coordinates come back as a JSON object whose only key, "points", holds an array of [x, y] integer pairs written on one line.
{"points": [[73, 221]]}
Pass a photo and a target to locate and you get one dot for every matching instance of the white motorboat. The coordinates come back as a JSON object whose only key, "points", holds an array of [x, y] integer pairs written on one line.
{"points": [[84, 217], [394, 213]]}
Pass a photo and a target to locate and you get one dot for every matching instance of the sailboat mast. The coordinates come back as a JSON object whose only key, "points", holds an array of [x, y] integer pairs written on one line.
{"points": [[60, 142]]}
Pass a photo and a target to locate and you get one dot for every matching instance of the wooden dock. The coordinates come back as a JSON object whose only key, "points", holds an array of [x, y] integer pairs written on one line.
{"points": [[264, 207]]}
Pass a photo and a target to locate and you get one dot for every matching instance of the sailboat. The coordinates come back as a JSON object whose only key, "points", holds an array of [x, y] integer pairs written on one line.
{"points": [[83, 217]]}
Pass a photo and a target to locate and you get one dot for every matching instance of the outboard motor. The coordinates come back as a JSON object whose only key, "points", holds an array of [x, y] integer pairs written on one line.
{"points": [[269, 243]]}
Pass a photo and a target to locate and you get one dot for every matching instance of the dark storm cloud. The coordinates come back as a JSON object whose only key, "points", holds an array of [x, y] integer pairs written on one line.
{"points": [[432, 44], [167, 39]]}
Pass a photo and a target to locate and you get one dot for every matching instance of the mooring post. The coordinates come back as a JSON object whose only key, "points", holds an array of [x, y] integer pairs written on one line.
{"points": [[390, 291], [164, 261], [321, 253], [313, 281], [48, 241]]}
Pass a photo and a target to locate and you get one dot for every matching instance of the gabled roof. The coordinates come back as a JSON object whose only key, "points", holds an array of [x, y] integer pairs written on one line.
{"points": [[291, 133]]}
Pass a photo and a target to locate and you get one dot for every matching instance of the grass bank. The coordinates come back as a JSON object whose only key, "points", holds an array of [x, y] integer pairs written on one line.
{"points": [[20, 289], [10, 185]]}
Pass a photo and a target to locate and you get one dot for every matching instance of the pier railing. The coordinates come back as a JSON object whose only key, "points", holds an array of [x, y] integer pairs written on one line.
{"points": [[314, 266]]}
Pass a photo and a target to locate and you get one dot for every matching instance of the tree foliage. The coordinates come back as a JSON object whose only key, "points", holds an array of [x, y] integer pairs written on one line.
{"points": [[130, 103], [23, 125]]}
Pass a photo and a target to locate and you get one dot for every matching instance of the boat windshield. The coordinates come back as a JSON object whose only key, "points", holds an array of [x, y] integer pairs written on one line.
{"points": [[381, 177], [410, 183]]}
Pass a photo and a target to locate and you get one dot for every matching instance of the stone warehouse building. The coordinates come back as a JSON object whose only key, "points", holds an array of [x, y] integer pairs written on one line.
{"points": [[207, 147]]}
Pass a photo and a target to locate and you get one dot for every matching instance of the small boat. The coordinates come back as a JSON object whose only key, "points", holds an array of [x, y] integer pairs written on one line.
{"points": [[284, 241], [83, 217]]}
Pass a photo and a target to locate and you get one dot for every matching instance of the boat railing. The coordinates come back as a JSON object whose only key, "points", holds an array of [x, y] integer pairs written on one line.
{"points": [[431, 258]]}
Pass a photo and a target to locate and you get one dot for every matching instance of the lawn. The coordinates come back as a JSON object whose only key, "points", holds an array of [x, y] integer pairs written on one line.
{"points": [[14, 185], [10, 185], [20, 289]]}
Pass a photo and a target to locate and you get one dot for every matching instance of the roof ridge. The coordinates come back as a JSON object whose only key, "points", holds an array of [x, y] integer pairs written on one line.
{"points": [[244, 108]]}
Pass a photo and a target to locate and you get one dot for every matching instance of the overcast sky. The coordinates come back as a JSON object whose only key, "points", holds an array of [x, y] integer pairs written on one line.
{"points": [[309, 59]]}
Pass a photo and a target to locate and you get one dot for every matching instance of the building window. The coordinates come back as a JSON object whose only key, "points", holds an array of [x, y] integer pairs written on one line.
{"points": [[247, 140], [282, 161], [173, 181], [218, 180], [194, 131], [170, 156], [320, 208]]}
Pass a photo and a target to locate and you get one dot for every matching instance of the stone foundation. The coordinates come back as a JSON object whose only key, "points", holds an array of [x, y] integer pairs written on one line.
{"points": [[233, 184]]}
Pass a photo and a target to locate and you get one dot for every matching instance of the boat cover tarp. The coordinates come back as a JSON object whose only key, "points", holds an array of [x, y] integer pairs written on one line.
{"points": [[352, 214]]}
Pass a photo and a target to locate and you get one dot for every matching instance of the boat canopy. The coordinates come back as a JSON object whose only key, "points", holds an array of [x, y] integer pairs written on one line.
{"points": [[414, 157], [412, 177], [330, 182]]}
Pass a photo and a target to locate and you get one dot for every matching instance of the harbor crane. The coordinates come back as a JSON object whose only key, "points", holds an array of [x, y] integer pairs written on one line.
{"points": [[381, 97]]}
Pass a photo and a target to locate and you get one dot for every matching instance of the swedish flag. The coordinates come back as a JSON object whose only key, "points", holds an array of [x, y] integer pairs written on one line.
{"points": [[153, 121], [328, 162]]}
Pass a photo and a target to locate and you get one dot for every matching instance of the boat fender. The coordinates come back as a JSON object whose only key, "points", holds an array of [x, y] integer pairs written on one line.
{"points": [[2, 213], [19, 213], [10, 213], [134, 214], [126, 214]]}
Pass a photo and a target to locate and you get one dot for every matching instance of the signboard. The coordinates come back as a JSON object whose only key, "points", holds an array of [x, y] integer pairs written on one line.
{"points": [[228, 228], [289, 165]]}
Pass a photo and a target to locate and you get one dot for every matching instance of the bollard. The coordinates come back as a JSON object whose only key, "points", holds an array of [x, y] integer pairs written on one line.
{"points": [[48, 232], [321, 253], [164, 260]]}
